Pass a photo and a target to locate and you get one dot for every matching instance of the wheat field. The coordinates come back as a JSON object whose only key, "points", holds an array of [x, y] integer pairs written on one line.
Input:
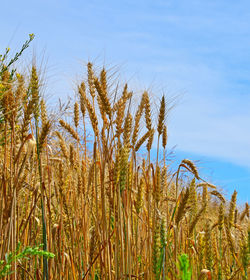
{"points": [[82, 197]]}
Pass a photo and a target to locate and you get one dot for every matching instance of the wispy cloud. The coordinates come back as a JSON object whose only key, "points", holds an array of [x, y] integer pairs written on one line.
{"points": [[200, 48]]}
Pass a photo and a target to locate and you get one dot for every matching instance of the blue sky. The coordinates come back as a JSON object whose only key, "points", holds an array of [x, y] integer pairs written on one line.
{"points": [[198, 51]]}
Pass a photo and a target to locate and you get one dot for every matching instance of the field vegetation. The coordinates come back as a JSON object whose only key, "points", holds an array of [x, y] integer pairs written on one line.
{"points": [[86, 187]]}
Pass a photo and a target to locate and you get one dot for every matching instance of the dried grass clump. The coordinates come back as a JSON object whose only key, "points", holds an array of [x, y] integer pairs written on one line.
{"points": [[105, 213]]}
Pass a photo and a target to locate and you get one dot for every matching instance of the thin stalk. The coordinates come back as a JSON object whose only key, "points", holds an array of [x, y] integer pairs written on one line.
{"points": [[45, 261]]}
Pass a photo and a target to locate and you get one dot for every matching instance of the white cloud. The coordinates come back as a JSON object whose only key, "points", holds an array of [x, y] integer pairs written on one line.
{"points": [[213, 126]]}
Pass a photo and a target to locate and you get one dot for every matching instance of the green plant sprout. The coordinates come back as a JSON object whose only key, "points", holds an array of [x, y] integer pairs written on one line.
{"points": [[184, 267], [18, 255]]}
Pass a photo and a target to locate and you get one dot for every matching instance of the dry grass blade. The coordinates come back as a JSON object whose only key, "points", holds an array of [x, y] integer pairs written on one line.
{"points": [[70, 129], [143, 139], [182, 207], [191, 166]]}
